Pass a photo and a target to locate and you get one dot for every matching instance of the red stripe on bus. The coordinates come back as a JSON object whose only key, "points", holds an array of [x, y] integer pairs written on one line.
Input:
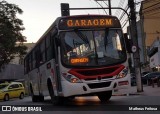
{"points": [[95, 72]]}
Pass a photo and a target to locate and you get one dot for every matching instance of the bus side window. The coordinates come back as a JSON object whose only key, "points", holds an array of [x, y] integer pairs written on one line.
{"points": [[30, 61], [34, 59], [27, 64], [53, 43], [37, 56], [42, 52], [49, 51]]}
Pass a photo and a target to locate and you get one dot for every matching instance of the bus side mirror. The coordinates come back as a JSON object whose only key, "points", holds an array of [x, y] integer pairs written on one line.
{"points": [[128, 43], [65, 9]]}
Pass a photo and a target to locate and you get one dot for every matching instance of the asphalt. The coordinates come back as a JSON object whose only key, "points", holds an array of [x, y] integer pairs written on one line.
{"points": [[147, 91]]}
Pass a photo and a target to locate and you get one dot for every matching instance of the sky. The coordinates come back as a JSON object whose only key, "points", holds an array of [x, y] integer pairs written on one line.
{"points": [[38, 15]]}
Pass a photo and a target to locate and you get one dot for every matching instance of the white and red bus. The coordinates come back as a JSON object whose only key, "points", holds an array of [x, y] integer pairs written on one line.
{"points": [[78, 55]]}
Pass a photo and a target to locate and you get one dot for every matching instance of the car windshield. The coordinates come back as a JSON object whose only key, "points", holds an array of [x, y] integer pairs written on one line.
{"points": [[152, 74], [155, 74], [92, 47], [3, 86]]}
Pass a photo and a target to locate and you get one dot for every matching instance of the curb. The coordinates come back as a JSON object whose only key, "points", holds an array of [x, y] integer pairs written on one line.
{"points": [[126, 94]]}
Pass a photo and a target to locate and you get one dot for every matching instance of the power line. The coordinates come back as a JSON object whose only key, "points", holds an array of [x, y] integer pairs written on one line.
{"points": [[101, 6], [122, 15], [125, 23], [121, 3], [123, 18], [151, 10], [152, 13], [151, 6], [105, 3], [96, 5], [149, 1]]}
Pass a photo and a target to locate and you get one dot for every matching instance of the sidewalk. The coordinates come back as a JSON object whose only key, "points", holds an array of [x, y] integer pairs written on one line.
{"points": [[147, 91]]}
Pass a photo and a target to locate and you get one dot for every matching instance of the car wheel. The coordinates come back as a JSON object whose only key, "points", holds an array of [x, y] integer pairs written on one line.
{"points": [[6, 97], [21, 96]]}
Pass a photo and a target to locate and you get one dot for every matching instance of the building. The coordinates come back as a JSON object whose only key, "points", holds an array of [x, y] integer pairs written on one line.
{"points": [[154, 55], [150, 24], [17, 60], [15, 70], [150, 16]]}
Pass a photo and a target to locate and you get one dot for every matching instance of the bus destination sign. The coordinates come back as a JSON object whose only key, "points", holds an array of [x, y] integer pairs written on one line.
{"points": [[89, 22], [72, 23]]}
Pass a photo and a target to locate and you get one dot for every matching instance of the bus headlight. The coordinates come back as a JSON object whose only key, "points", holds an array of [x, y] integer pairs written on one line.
{"points": [[71, 78], [123, 73]]}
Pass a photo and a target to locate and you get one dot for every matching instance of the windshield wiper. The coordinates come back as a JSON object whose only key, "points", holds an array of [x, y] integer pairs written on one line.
{"points": [[106, 39], [83, 37]]}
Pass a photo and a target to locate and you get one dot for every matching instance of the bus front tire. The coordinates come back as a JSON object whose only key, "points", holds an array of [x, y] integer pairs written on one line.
{"points": [[37, 98], [56, 100], [104, 96]]}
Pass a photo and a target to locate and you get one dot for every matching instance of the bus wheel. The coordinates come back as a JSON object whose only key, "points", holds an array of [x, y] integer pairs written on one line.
{"points": [[104, 96], [41, 98], [56, 100], [37, 98], [34, 97]]}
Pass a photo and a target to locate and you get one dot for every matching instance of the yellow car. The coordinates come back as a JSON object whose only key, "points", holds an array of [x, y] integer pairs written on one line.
{"points": [[11, 90]]}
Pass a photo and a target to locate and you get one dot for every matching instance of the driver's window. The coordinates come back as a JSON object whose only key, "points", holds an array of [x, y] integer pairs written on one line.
{"points": [[11, 87], [116, 42]]}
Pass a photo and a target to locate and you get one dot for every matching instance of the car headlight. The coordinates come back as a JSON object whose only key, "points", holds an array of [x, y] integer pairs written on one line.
{"points": [[123, 73], [71, 78]]}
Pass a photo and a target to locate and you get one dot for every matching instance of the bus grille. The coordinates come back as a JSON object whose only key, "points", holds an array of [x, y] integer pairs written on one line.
{"points": [[99, 85], [89, 79]]}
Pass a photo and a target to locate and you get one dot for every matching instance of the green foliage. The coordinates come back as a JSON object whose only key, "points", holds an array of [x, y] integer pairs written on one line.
{"points": [[11, 38]]}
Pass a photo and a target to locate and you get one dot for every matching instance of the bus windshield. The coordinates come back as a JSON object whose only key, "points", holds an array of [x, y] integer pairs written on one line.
{"points": [[92, 47]]}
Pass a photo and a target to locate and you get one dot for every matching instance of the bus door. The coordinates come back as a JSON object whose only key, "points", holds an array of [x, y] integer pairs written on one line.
{"points": [[38, 76], [56, 49]]}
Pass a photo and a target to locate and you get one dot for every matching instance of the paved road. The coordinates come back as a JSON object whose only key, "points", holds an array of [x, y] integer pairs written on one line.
{"points": [[89, 105]]}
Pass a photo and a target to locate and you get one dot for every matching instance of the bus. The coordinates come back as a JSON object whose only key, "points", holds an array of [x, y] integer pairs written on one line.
{"points": [[78, 55]]}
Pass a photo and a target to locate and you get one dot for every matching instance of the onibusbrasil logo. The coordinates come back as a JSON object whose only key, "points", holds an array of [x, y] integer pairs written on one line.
{"points": [[20, 108]]}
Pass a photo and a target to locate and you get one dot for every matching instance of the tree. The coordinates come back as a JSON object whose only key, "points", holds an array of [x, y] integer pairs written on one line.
{"points": [[11, 38]]}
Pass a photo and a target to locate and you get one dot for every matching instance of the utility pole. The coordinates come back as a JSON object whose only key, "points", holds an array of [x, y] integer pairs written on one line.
{"points": [[109, 5], [135, 47]]}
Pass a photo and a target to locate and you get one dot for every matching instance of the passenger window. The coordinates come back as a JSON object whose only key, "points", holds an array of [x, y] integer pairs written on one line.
{"points": [[42, 48], [30, 61], [11, 87], [16, 86], [49, 53], [34, 59], [20, 85]]}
